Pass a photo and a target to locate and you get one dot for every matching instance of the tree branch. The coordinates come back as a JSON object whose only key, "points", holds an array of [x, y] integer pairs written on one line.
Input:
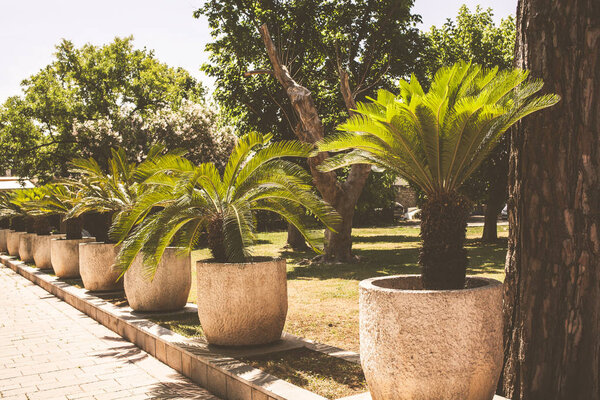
{"points": [[257, 72]]}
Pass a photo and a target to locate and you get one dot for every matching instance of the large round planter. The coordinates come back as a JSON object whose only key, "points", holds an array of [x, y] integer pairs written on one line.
{"points": [[3, 235], [430, 344], [64, 256], [41, 250], [97, 266], [12, 242], [167, 291], [242, 304], [26, 242]]}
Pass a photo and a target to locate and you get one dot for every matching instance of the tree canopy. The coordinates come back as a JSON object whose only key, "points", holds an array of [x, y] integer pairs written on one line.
{"points": [[374, 41], [102, 85]]}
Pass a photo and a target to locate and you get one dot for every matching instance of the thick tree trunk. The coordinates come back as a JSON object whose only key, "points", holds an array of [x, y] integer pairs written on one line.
{"points": [[342, 196], [295, 239], [552, 290]]}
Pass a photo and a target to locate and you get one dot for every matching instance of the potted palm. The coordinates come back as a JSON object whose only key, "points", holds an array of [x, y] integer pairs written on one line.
{"points": [[6, 215], [103, 197], [10, 208], [437, 335], [46, 211], [59, 199], [24, 199], [242, 299]]}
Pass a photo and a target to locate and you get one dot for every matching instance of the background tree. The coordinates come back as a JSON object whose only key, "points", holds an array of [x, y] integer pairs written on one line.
{"points": [[90, 83], [474, 36], [552, 287], [329, 53]]}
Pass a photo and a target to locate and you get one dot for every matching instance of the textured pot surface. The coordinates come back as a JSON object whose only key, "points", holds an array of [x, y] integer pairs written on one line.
{"points": [[12, 242], [242, 304], [64, 256], [169, 289], [3, 234], [26, 243], [97, 266], [41, 250], [430, 345]]}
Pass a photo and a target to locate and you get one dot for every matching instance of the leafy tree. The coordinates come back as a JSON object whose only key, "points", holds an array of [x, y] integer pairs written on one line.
{"points": [[437, 140], [303, 80], [197, 198], [85, 84], [474, 36]]}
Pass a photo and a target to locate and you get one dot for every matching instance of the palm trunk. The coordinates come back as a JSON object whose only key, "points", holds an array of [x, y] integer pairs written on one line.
{"points": [[73, 228], [443, 257]]}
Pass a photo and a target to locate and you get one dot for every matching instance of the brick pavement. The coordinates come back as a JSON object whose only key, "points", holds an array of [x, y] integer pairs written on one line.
{"points": [[50, 350]]}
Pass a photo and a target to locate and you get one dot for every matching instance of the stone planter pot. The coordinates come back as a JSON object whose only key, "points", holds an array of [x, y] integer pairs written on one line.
{"points": [[64, 256], [169, 289], [242, 304], [97, 266], [26, 241], [12, 242], [41, 250], [3, 235], [430, 344]]}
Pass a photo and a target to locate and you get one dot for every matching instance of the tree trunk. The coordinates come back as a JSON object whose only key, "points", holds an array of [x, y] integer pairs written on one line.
{"points": [[552, 291], [341, 195], [295, 239], [490, 221], [497, 193]]}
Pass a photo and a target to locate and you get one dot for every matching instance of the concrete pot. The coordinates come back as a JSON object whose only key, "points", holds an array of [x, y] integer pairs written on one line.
{"points": [[26, 247], [41, 250], [97, 266], [167, 291], [64, 256], [12, 242], [3, 234], [430, 344], [242, 304]]}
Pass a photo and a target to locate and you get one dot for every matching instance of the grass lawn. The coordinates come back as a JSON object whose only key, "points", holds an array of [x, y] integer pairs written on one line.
{"points": [[323, 298]]}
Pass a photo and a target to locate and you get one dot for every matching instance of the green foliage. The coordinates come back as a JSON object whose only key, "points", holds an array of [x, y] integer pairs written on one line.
{"points": [[474, 36], [192, 199], [376, 203], [91, 84], [375, 41], [439, 138]]}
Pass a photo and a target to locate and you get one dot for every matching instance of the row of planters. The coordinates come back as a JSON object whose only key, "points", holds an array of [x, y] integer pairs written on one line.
{"points": [[434, 336]]}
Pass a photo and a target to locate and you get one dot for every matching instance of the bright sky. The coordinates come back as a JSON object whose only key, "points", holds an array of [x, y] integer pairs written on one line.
{"points": [[29, 30]]}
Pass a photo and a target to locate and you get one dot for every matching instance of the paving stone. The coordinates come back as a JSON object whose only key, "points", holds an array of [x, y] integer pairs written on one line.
{"points": [[50, 350]]}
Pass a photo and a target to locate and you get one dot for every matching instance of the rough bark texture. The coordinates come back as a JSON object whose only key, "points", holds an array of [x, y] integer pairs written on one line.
{"points": [[443, 257], [341, 195], [552, 291]]}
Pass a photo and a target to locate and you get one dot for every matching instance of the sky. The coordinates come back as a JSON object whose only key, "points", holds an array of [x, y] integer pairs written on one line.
{"points": [[29, 30]]}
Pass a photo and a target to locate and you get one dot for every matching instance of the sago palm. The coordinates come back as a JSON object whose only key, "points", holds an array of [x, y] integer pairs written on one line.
{"points": [[58, 200], [436, 140], [103, 196], [194, 199]]}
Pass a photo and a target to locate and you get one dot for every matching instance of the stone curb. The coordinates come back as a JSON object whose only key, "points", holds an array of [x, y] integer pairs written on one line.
{"points": [[216, 370], [219, 373]]}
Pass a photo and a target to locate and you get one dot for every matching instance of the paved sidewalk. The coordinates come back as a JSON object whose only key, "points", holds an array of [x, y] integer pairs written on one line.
{"points": [[50, 350]]}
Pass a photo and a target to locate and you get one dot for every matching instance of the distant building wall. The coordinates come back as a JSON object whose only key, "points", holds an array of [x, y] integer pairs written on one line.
{"points": [[406, 196]]}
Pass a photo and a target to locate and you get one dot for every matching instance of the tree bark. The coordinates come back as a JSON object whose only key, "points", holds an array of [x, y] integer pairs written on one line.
{"points": [[552, 290], [490, 221], [341, 195]]}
